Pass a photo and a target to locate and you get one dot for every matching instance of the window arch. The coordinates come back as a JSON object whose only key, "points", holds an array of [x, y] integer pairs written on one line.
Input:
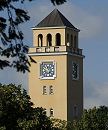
{"points": [[75, 42], [40, 40], [51, 112], [68, 43], [58, 39], [44, 90], [45, 111], [72, 40], [49, 40], [51, 90], [67, 37]]}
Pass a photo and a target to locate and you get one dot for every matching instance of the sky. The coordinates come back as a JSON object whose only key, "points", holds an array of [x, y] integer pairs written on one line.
{"points": [[91, 17]]}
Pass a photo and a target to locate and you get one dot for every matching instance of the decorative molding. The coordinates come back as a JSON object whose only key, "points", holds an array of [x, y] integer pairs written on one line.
{"points": [[55, 53], [43, 28]]}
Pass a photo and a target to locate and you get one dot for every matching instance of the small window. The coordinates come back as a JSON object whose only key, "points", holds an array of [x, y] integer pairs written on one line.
{"points": [[49, 40], [68, 44], [75, 71], [75, 111], [45, 111], [67, 37], [51, 90], [72, 40], [40, 40], [51, 112], [75, 42], [58, 39], [44, 90]]}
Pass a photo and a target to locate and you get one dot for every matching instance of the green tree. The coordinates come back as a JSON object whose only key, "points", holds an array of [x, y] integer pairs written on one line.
{"points": [[94, 119], [59, 124], [11, 37], [17, 111]]}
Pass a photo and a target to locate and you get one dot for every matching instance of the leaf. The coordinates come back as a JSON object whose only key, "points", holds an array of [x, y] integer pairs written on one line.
{"points": [[3, 41], [58, 2], [4, 63]]}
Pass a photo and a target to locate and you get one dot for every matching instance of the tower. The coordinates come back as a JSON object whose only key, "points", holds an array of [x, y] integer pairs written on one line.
{"points": [[56, 80]]}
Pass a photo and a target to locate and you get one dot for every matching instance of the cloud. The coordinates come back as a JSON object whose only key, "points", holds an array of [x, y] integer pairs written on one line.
{"points": [[95, 94]]}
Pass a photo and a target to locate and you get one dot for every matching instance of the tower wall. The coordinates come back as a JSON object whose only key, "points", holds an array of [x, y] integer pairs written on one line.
{"points": [[56, 80], [58, 100], [45, 31], [74, 89]]}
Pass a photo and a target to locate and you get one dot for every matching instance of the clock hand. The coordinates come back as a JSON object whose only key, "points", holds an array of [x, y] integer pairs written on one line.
{"points": [[46, 69]]}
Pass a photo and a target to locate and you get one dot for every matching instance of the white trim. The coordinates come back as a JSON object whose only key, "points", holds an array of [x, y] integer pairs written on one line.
{"points": [[48, 53], [41, 28], [51, 53]]}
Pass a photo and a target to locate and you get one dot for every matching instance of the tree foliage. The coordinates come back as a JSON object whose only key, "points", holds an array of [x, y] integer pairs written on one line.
{"points": [[17, 111], [11, 37], [59, 124], [94, 119]]}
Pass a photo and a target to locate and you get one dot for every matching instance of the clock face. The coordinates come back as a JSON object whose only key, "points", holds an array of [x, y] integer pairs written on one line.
{"points": [[47, 70]]}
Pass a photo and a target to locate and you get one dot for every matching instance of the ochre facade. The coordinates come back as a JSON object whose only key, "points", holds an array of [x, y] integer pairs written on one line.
{"points": [[65, 101]]}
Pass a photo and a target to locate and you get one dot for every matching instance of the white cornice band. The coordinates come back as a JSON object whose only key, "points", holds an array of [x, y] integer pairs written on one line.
{"points": [[49, 54]]}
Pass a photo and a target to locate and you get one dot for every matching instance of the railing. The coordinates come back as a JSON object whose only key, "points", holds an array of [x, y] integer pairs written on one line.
{"points": [[56, 49]]}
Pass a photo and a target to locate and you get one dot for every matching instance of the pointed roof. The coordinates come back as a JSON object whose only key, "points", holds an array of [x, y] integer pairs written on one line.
{"points": [[55, 19]]}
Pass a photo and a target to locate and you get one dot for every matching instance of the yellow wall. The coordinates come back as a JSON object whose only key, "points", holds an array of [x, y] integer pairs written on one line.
{"points": [[57, 101], [73, 33], [67, 92], [44, 32]]}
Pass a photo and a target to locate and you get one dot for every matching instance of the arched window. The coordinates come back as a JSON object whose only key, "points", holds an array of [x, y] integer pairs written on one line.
{"points": [[44, 90], [49, 40], [72, 40], [51, 90], [58, 39], [75, 42], [40, 40], [51, 112], [67, 38], [45, 111]]}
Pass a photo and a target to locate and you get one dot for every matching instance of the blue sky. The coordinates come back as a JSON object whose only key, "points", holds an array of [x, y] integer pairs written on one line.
{"points": [[91, 17]]}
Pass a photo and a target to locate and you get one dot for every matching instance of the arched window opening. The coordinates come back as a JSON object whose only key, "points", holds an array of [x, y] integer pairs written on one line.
{"points": [[45, 111], [72, 40], [58, 39], [75, 42], [44, 90], [49, 40], [51, 90], [67, 38], [40, 40], [51, 112]]}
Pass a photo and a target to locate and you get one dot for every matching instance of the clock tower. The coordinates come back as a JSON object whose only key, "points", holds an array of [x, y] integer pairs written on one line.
{"points": [[56, 80]]}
